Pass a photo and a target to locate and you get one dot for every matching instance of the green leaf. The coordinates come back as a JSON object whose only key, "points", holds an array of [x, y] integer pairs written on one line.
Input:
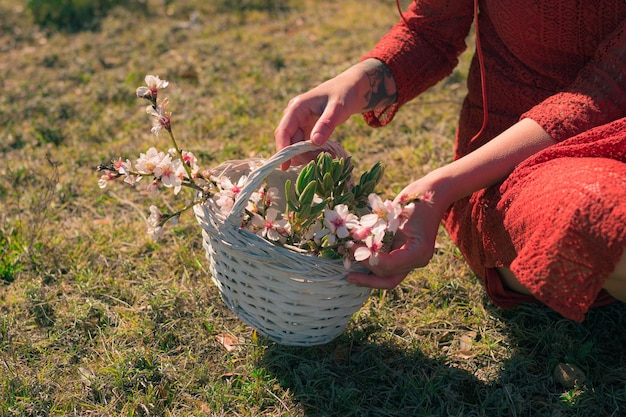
{"points": [[326, 162], [338, 168], [329, 253], [305, 212], [307, 174], [376, 173], [327, 185], [346, 176], [347, 198], [369, 187], [317, 209], [288, 197], [306, 198]]}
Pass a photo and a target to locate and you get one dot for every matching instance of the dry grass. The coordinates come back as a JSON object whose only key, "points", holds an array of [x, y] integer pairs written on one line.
{"points": [[95, 319]]}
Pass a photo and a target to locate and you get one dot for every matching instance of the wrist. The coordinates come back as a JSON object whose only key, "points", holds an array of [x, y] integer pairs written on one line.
{"points": [[377, 87], [442, 184]]}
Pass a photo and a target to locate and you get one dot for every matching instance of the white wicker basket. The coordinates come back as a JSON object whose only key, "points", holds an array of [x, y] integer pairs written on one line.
{"points": [[292, 298]]}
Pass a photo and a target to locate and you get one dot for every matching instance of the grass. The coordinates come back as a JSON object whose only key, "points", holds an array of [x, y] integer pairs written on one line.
{"points": [[95, 319]]}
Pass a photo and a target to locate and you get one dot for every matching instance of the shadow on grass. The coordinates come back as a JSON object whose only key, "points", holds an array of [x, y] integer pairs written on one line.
{"points": [[355, 377], [358, 378]]}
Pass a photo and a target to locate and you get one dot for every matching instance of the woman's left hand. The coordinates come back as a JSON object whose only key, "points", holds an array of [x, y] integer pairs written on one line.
{"points": [[413, 245]]}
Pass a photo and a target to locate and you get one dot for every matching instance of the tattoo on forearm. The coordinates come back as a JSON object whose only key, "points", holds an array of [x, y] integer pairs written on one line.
{"points": [[382, 90]]}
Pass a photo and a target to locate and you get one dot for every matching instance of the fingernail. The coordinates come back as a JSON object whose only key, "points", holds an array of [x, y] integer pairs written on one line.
{"points": [[353, 281], [317, 139]]}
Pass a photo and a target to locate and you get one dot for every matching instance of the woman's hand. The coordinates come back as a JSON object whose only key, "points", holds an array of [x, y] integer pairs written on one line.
{"points": [[315, 114], [413, 245]]}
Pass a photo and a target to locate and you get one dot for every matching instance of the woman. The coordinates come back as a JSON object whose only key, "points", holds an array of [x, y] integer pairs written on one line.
{"points": [[536, 196]]}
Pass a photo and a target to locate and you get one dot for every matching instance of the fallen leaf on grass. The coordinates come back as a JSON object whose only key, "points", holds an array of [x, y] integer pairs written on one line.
{"points": [[229, 342], [466, 345], [464, 354], [467, 340], [229, 375], [204, 407], [569, 375]]}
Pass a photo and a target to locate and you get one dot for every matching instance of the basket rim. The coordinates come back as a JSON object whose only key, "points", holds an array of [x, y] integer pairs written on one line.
{"points": [[210, 221]]}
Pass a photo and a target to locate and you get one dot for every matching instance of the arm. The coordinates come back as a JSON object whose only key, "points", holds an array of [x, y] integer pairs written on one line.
{"points": [[421, 50], [490, 163], [418, 54], [482, 168]]}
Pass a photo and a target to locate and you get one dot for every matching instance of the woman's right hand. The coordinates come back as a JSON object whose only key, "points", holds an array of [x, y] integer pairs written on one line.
{"points": [[315, 114]]}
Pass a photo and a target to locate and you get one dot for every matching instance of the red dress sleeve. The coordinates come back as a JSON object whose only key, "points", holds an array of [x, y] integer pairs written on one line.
{"points": [[596, 97], [422, 49]]}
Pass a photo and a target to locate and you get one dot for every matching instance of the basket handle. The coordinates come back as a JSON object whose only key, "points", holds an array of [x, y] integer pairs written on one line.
{"points": [[256, 177]]}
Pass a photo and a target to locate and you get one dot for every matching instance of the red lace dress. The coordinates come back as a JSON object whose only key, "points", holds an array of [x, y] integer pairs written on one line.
{"points": [[559, 220]]}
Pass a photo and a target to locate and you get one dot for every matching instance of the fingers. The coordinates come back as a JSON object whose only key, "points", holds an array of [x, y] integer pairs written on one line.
{"points": [[393, 267], [412, 254], [375, 281], [315, 115], [282, 141], [325, 125], [295, 125], [288, 131]]}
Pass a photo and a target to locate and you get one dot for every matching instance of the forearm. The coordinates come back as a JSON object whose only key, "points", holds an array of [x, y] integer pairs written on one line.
{"points": [[369, 83], [490, 163]]}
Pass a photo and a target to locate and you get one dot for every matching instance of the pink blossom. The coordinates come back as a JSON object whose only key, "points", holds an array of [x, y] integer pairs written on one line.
{"points": [[339, 221], [149, 161], [132, 179], [227, 185], [269, 227], [123, 167], [162, 165], [312, 231], [256, 198], [160, 118], [405, 213], [169, 173], [270, 196], [253, 203], [225, 198], [225, 201], [105, 178], [428, 197], [373, 245], [153, 85], [153, 187], [188, 159], [366, 224], [387, 211]]}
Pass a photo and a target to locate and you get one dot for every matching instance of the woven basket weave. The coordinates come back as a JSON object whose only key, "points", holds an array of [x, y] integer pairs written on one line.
{"points": [[293, 298]]}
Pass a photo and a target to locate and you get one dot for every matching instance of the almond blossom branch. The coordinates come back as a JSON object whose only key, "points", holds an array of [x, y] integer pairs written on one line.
{"points": [[326, 211]]}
